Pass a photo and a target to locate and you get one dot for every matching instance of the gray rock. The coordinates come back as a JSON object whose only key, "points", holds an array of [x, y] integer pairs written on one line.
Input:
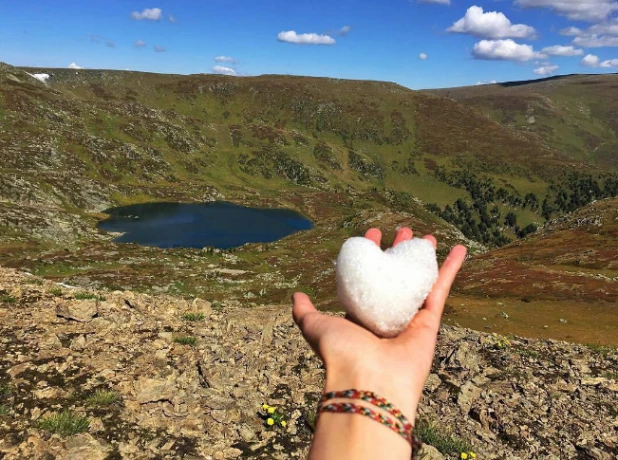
{"points": [[78, 343], [153, 390], [78, 310], [84, 446], [430, 453], [468, 394]]}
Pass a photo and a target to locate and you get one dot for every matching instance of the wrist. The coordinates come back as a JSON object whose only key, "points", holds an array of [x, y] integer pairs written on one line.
{"points": [[398, 391]]}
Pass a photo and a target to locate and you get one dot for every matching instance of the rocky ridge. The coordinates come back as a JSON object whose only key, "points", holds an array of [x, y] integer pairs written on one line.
{"points": [[194, 389]]}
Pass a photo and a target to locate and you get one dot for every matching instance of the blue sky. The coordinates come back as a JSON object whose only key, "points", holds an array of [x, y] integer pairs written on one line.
{"points": [[419, 44]]}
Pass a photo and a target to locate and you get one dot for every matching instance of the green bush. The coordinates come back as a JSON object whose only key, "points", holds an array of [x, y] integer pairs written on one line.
{"points": [[193, 316], [65, 423], [185, 340], [103, 398]]}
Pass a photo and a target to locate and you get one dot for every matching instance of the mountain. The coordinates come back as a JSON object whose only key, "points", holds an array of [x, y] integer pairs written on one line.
{"points": [[347, 154], [576, 115]]}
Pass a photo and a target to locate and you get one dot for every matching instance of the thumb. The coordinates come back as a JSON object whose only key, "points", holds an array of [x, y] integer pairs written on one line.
{"points": [[306, 317]]}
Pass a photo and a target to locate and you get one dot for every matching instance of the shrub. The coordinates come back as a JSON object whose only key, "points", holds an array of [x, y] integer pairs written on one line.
{"points": [[103, 398], [193, 316], [65, 423], [185, 340], [88, 296], [439, 437]]}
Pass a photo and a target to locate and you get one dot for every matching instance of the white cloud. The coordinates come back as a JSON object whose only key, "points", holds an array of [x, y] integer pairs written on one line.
{"points": [[151, 14], [559, 50], [505, 50], [172, 19], [345, 30], [291, 36], [159, 49], [492, 82], [595, 41], [590, 60], [422, 56], [606, 28], [596, 36], [73, 65], [229, 59], [610, 63], [580, 10], [139, 44], [546, 69], [223, 70], [571, 31], [42, 77], [440, 2], [490, 25]]}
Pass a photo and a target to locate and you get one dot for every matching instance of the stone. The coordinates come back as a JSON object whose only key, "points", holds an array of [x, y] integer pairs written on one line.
{"points": [[428, 452], [202, 306], [78, 310], [50, 341], [85, 446], [153, 390], [78, 343], [468, 394]]}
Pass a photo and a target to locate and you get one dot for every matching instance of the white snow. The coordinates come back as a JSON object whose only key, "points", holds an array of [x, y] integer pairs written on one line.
{"points": [[383, 290]]}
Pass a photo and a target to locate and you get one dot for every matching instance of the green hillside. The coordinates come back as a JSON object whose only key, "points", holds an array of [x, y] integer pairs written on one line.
{"points": [[347, 154], [87, 139], [574, 114]]}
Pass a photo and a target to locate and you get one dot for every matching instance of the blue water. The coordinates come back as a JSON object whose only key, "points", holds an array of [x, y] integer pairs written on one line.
{"points": [[196, 225]]}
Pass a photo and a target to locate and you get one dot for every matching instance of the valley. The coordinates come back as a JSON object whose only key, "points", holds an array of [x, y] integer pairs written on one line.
{"points": [[346, 154]]}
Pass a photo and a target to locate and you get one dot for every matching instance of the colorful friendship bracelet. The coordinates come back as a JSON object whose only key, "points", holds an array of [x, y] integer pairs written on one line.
{"points": [[405, 428], [372, 398], [351, 408]]}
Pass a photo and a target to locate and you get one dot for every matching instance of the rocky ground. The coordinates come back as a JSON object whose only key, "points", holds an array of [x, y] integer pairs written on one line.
{"points": [[142, 377]]}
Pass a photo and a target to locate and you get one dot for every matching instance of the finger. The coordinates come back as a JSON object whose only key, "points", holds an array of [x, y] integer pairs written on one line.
{"points": [[432, 239], [305, 316], [427, 320], [403, 234], [374, 235], [436, 298]]}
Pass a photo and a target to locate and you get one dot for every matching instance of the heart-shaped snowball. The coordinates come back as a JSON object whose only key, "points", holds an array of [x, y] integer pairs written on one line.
{"points": [[383, 290]]}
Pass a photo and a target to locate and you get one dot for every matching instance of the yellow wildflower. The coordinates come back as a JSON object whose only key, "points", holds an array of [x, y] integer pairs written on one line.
{"points": [[284, 423], [464, 456], [265, 406], [271, 410], [270, 421], [472, 455]]}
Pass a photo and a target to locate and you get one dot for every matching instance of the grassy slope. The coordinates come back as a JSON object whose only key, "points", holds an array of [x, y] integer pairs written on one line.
{"points": [[573, 114], [568, 270]]}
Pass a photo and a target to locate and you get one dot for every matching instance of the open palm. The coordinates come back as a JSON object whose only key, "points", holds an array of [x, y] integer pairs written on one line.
{"points": [[356, 358]]}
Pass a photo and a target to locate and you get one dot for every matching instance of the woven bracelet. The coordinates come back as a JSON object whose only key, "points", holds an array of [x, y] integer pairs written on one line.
{"points": [[404, 428], [371, 398]]}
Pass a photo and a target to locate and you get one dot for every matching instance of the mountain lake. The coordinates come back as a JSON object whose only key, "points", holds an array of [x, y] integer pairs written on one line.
{"points": [[218, 224]]}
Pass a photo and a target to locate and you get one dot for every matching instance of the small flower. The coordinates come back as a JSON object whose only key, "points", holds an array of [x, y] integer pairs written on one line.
{"points": [[472, 455], [270, 421], [265, 406], [271, 410], [463, 456], [284, 424]]}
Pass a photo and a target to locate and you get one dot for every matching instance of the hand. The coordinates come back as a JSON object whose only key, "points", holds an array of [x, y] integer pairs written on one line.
{"points": [[395, 368]]}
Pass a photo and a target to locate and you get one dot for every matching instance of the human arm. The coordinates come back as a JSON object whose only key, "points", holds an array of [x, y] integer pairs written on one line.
{"points": [[394, 368]]}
